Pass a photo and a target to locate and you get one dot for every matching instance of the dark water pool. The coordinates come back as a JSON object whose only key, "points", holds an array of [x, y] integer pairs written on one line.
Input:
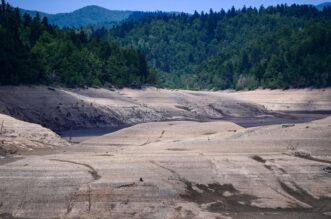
{"points": [[79, 135]]}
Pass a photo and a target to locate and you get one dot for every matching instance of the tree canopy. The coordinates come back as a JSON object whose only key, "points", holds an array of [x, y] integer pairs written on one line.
{"points": [[275, 47], [34, 52]]}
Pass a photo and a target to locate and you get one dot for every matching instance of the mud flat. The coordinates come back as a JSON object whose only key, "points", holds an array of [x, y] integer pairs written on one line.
{"points": [[178, 170], [166, 169]]}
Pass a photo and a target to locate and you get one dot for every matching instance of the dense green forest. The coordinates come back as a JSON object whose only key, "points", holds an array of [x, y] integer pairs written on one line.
{"points": [[275, 47], [34, 52]]}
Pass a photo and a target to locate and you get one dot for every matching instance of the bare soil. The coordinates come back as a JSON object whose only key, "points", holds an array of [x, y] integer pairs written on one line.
{"points": [[245, 160]]}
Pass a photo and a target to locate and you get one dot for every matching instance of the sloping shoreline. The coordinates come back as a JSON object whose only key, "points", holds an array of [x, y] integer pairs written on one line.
{"points": [[66, 109], [178, 170], [165, 169], [18, 137]]}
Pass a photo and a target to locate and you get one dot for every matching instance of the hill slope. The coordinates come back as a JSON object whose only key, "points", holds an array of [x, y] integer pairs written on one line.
{"points": [[34, 52], [93, 16], [323, 5], [90, 15], [34, 13], [87, 16], [17, 136], [65, 109], [274, 47]]}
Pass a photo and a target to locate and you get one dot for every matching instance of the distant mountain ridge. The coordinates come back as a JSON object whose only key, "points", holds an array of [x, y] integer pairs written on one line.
{"points": [[33, 13], [323, 5], [98, 17], [93, 15], [89, 15]]}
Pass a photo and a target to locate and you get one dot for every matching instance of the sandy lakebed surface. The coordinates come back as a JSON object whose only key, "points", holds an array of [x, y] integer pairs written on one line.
{"points": [[170, 153]]}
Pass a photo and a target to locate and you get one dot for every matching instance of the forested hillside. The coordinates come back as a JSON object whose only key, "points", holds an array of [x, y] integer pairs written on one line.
{"points": [[274, 47], [34, 52]]}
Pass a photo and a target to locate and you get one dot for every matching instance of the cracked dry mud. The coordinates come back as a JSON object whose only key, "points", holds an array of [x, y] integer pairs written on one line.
{"points": [[178, 169]]}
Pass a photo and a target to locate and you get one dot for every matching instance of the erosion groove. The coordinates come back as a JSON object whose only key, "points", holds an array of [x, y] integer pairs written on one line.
{"points": [[162, 133], [70, 205], [147, 142], [309, 157], [127, 185], [214, 195], [89, 198], [91, 171], [322, 204], [258, 159], [177, 175]]}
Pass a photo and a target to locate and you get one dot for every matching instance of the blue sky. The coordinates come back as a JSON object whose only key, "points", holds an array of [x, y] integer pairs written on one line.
{"points": [[56, 6]]}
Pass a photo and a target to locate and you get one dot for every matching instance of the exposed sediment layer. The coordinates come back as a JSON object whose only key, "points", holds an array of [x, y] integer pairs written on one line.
{"points": [[17, 136], [63, 109], [171, 169], [178, 170]]}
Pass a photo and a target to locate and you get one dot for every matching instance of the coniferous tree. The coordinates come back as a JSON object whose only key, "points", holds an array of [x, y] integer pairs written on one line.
{"points": [[34, 52], [276, 47]]}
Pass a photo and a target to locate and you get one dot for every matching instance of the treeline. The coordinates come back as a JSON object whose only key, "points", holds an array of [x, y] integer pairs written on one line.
{"points": [[34, 52], [275, 47]]}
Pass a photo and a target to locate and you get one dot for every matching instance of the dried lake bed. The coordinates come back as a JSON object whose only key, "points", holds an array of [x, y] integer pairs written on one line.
{"points": [[242, 162]]}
